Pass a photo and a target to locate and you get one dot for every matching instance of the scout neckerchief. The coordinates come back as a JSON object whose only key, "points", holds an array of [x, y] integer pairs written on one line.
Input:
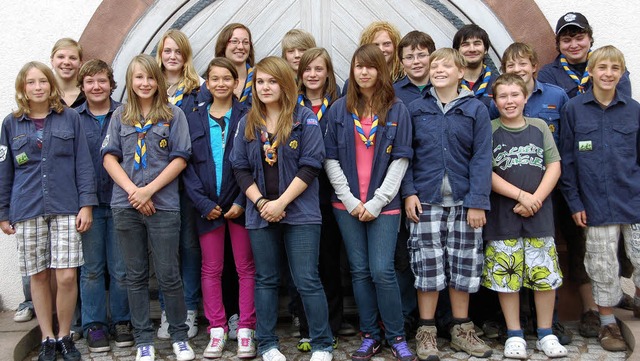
{"points": [[372, 133], [141, 148], [483, 86], [582, 82], [323, 107], [176, 99], [247, 85], [270, 153]]}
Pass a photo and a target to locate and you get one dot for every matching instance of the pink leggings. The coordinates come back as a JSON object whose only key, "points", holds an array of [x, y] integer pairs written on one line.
{"points": [[212, 245]]}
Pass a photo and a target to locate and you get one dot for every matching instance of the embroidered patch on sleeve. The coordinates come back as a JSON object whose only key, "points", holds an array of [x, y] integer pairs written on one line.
{"points": [[3, 153], [105, 142], [312, 121]]}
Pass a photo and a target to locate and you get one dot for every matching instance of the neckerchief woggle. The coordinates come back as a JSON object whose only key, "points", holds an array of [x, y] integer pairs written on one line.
{"points": [[270, 150], [176, 99], [140, 156], [323, 107], [372, 133], [582, 82], [483, 86], [247, 85]]}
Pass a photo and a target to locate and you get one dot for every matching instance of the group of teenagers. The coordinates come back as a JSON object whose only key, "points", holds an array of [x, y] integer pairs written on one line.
{"points": [[404, 167]]}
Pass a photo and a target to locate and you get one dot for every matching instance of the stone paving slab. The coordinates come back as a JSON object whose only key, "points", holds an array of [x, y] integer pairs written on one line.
{"points": [[579, 349]]}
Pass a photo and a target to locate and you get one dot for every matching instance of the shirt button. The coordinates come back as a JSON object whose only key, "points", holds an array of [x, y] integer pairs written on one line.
{"points": [[44, 159], [44, 176]]}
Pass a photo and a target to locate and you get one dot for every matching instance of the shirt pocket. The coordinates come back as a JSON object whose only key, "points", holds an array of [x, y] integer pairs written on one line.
{"points": [[128, 140], [19, 147], [158, 141], [62, 143], [587, 145], [199, 147], [552, 118], [425, 128], [461, 129], [624, 137]]}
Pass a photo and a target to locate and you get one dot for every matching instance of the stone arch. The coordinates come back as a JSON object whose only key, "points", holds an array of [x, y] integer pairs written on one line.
{"points": [[135, 26]]}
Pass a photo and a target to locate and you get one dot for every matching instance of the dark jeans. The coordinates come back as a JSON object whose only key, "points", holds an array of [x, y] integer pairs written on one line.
{"points": [[137, 233]]}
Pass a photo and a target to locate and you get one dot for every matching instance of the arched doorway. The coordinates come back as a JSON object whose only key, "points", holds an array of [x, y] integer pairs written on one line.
{"points": [[136, 26]]}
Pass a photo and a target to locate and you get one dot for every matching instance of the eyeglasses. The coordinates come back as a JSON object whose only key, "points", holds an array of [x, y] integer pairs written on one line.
{"points": [[235, 42], [411, 57]]}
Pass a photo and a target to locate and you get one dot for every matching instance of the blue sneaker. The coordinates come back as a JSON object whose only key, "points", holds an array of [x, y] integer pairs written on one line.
{"points": [[48, 350], [367, 350], [68, 349], [401, 350]]}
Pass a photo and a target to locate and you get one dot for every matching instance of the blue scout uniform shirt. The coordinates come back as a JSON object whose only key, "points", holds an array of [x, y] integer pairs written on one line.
{"points": [[51, 176], [165, 141], [210, 181], [553, 73], [600, 165], [96, 131], [392, 141], [407, 91], [545, 103], [303, 148], [457, 142], [190, 101]]}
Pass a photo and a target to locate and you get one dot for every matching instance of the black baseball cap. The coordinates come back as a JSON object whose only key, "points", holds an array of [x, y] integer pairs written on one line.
{"points": [[572, 19]]}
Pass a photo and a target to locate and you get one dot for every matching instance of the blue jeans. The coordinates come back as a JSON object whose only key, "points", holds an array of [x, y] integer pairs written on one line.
{"points": [[160, 231], [370, 249], [302, 244], [190, 255], [26, 290], [101, 251]]}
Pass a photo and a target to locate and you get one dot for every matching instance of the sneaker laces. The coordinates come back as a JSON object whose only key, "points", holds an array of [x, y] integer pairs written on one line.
{"points": [[402, 349], [122, 327], [66, 345], [145, 351], [215, 342], [367, 343], [471, 336], [48, 346], [427, 339], [182, 346]]}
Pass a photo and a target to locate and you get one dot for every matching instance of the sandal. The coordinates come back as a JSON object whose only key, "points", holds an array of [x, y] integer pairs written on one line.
{"points": [[515, 347], [551, 346]]}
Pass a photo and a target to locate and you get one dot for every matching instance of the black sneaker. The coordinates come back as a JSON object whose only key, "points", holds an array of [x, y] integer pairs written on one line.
{"points": [[122, 334], [97, 340], [368, 348], [68, 349], [564, 336], [401, 350], [48, 350]]}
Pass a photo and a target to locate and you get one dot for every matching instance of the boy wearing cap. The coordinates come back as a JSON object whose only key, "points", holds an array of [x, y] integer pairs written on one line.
{"points": [[601, 182], [574, 38], [473, 43]]}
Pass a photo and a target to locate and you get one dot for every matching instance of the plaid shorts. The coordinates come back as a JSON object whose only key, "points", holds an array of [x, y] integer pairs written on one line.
{"points": [[529, 262], [445, 250], [48, 242]]}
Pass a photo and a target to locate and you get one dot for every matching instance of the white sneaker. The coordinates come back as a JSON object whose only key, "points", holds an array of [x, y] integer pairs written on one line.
{"points": [[273, 355], [163, 330], [217, 340], [321, 356], [183, 351], [146, 353], [246, 343], [233, 326], [23, 315], [192, 322]]}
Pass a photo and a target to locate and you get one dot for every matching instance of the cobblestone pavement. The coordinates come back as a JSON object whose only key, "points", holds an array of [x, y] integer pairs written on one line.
{"points": [[579, 349]]}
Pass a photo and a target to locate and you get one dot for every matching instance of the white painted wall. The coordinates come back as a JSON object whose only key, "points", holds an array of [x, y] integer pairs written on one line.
{"points": [[31, 28]]}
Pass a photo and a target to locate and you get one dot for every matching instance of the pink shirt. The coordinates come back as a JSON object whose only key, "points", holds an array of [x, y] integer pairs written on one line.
{"points": [[364, 164]]}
